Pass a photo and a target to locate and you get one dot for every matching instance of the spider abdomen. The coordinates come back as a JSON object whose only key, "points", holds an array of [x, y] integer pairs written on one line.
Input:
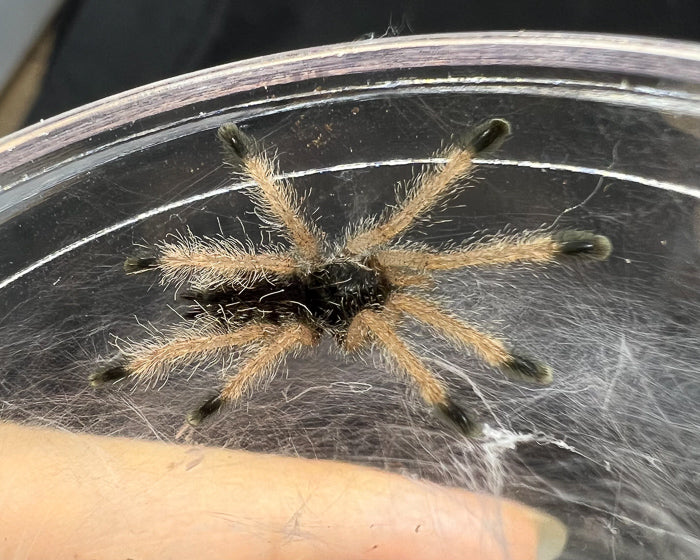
{"points": [[327, 297]]}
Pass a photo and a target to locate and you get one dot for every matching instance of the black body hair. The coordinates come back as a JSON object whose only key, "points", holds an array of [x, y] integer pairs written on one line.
{"points": [[327, 298]]}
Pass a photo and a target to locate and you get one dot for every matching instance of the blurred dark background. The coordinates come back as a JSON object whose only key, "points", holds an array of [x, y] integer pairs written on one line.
{"points": [[99, 48]]}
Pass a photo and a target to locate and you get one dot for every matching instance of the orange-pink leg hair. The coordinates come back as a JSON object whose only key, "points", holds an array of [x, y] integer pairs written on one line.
{"points": [[210, 263], [431, 188], [153, 359], [523, 248], [490, 349], [378, 327], [288, 338], [274, 196]]}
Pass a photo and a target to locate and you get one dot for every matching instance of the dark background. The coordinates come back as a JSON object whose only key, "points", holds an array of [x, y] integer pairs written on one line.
{"points": [[105, 47]]}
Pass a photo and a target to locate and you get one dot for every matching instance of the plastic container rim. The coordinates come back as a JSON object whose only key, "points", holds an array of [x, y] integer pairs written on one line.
{"points": [[660, 58]]}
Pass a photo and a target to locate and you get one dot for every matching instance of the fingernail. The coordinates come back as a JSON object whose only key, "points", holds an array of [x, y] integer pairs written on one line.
{"points": [[551, 536]]}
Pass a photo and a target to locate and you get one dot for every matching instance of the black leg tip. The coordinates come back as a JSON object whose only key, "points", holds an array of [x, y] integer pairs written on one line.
{"points": [[237, 145], [583, 244], [109, 375], [209, 407], [487, 136], [527, 369], [134, 265], [453, 416]]}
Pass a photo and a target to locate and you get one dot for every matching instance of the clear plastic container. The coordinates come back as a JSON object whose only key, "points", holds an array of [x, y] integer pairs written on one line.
{"points": [[606, 137]]}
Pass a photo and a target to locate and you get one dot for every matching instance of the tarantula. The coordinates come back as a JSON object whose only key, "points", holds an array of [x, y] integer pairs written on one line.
{"points": [[270, 303]]}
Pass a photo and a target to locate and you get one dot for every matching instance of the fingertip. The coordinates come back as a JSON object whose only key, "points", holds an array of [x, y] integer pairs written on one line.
{"points": [[552, 535]]}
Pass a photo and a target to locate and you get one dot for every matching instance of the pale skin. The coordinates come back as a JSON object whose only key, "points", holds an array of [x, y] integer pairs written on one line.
{"points": [[84, 497]]}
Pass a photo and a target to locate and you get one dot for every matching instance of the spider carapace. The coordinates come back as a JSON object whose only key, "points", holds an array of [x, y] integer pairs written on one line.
{"points": [[267, 303], [326, 298]]}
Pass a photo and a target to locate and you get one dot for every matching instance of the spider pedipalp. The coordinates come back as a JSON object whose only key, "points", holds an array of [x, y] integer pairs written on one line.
{"points": [[267, 303]]}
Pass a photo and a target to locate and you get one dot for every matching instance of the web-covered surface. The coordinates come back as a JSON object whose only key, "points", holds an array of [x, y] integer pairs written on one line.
{"points": [[611, 447]]}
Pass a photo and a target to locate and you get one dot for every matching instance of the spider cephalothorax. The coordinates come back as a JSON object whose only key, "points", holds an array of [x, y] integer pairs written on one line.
{"points": [[326, 298], [270, 303]]}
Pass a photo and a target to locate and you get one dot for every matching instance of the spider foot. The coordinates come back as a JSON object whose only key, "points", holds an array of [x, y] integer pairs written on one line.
{"points": [[453, 416], [237, 145], [134, 265], [583, 244], [109, 375], [523, 368], [487, 136], [209, 407]]}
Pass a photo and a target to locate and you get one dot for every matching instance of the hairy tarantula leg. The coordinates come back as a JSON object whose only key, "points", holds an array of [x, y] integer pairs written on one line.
{"points": [[150, 360], [432, 188], [287, 339], [526, 248], [488, 348], [368, 323], [274, 196], [211, 262]]}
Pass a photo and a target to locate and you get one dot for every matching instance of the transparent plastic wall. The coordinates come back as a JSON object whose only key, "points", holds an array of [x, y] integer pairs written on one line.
{"points": [[605, 137]]}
